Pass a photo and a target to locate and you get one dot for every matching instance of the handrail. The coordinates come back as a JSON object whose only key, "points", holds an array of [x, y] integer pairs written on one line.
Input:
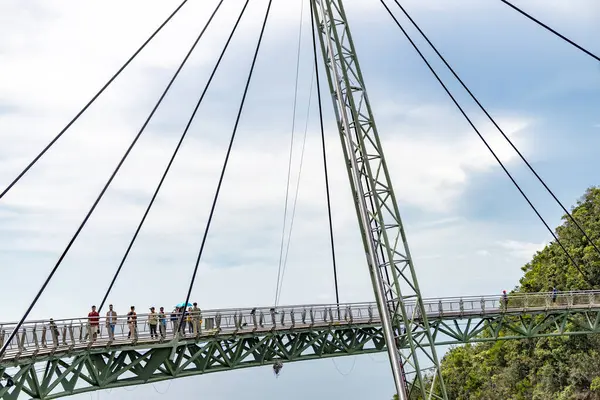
{"points": [[69, 333], [428, 300]]}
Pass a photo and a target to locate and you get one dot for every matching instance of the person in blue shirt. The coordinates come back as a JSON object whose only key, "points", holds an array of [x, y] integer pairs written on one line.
{"points": [[162, 322]]}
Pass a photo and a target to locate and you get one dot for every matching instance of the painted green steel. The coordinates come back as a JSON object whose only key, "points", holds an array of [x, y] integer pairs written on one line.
{"points": [[56, 376], [393, 275], [77, 371]]}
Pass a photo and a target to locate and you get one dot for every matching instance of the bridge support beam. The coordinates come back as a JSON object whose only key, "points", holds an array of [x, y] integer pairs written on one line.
{"points": [[386, 248]]}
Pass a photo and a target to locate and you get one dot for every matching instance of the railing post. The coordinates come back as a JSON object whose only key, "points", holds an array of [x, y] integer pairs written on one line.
{"points": [[218, 321], [64, 333], [22, 340], [236, 321], [570, 299], [35, 338], [440, 308], [348, 315], [44, 329], [71, 335], [54, 334], [261, 319], [240, 320], [175, 326], [254, 320]]}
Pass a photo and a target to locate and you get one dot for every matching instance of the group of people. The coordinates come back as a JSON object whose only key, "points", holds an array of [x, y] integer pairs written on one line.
{"points": [[157, 321]]}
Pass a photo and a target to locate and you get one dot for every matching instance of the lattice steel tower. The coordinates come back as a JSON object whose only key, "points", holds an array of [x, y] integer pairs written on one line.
{"points": [[388, 257]]}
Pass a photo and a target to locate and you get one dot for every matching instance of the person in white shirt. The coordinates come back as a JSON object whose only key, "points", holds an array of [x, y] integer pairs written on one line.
{"points": [[111, 321]]}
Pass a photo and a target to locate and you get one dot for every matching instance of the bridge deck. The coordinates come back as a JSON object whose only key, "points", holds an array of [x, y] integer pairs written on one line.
{"points": [[36, 339], [45, 366]]}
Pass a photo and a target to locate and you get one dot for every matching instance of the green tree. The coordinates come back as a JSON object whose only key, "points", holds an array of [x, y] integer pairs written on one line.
{"points": [[548, 368]]}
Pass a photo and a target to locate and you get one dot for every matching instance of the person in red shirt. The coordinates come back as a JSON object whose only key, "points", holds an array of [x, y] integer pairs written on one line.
{"points": [[94, 323]]}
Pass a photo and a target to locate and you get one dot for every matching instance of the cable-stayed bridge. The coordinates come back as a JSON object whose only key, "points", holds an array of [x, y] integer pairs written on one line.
{"points": [[50, 359]]}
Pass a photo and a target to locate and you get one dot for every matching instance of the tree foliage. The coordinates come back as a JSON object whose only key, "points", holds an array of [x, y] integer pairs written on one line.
{"points": [[562, 368]]}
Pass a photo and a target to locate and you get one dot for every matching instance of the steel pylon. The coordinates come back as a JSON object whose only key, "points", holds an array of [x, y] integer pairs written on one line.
{"points": [[390, 264]]}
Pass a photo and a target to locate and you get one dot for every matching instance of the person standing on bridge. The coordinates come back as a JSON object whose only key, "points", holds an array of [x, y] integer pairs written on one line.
{"points": [[554, 295], [505, 299], [111, 321], [197, 319], [162, 322], [189, 319], [93, 324], [153, 323], [54, 332], [132, 322]]}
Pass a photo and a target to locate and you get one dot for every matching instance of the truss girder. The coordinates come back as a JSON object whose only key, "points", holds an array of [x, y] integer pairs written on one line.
{"points": [[63, 374], [388, 256]]}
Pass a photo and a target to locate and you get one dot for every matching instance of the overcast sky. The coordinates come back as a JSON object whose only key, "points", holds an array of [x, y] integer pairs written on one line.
{"points": [[468, 229]]}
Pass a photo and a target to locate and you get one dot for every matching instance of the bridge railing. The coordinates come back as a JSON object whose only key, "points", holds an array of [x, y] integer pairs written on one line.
{"points": [[49, 335], [511, 303], [60, 334]]}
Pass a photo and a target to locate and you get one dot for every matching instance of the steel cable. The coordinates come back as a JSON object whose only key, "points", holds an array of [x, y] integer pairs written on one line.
{"points": [[233, 134], [325, 169], [289, 171], [114, 173], [575, 264], [22, 173], [498, 127], [295, 203], [173, 156], [572, 43]]}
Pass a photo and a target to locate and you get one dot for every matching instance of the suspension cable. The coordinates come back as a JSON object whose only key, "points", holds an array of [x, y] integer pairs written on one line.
{"points": [[575, 264], [174, 155], [295, 203], [572, 43], [114, 173], [498, 127], [237, 121], [28, 167], [289, 172], [326, 173]]}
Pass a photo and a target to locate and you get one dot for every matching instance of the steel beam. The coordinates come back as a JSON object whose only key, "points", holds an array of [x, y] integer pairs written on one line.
{"points": [[388, 257]]}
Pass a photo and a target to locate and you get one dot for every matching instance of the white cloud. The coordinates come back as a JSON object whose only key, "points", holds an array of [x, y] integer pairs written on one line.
{"points": [[522, 250]]}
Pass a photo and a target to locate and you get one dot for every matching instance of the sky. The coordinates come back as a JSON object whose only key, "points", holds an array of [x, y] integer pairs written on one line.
{"points": [[469, 230]]}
